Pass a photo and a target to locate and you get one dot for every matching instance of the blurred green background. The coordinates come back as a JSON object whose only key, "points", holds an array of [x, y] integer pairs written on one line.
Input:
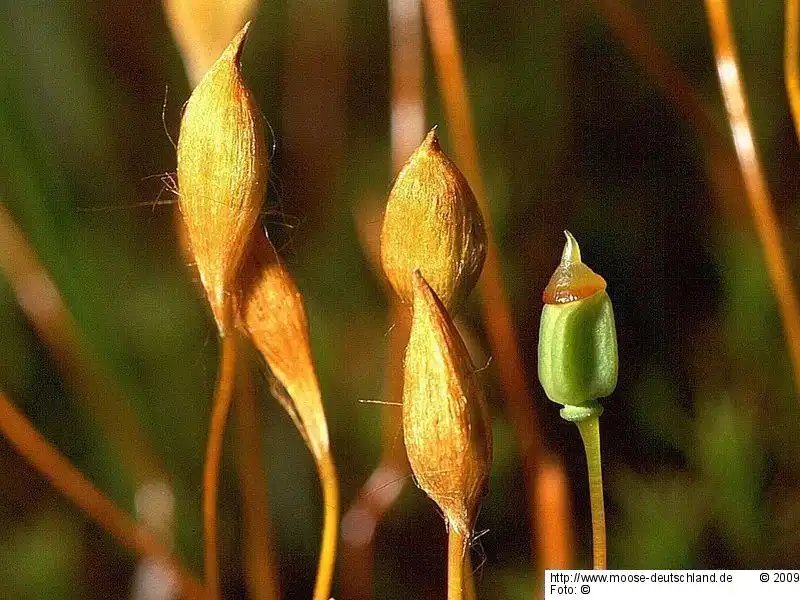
{"points": [[700, 439]]}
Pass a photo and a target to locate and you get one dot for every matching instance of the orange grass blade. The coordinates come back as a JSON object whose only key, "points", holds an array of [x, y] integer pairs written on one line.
{"points": [[790, 60], [757, 192], [71, 483], [202, 29], [40, 300], [496, 312], [638, 41], [721, 164]]}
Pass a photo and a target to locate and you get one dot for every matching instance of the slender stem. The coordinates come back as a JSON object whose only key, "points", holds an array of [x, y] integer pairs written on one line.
{"points": [[590, 433], [219, 415], [330, 527], [496, 310], [456, 550], [74, 486], [469, 579], [755, 184], [259, 557], [790, 61]]}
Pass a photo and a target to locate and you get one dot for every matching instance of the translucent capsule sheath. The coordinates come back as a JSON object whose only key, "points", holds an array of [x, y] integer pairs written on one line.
{"points": [[577, 336], [433, 223]]}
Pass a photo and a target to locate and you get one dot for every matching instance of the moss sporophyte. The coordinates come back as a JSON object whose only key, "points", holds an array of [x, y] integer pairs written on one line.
{"points": [[222, 176], [433, 244], [578, 363]]}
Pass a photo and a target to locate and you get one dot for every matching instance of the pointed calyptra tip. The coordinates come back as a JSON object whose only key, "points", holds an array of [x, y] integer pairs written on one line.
{"points": [[572, 280], [237, 43], [432, 139], [572, 252]]}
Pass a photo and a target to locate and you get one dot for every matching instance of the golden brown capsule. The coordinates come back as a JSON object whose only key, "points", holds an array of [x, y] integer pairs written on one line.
{"points": [[272, 314], [445, 417], [433, 223], [222, 173]]}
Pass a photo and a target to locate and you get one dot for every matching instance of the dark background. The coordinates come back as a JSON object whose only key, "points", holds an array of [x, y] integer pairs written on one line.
{"points": [[700, 441]]}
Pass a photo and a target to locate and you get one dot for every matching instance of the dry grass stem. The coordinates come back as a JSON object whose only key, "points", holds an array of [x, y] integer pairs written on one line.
{"points": [[222, 173], [39, 298], [496, 311], [755, 184], [407, 73], [635, 35], [202, 29], [457, 548], [261, 572], [220, 406], [553, 495], [74, 486], [791, 59], [722, 164]]}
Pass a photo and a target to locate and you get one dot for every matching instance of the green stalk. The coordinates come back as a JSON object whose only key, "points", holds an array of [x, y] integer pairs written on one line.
{"points": [[590, 433]]}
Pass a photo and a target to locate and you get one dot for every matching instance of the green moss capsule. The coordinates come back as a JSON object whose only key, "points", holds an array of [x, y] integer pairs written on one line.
{"points": [[577, 336]]}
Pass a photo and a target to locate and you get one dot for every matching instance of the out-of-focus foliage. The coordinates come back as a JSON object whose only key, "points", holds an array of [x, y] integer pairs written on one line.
{"points": [[700, 442]]}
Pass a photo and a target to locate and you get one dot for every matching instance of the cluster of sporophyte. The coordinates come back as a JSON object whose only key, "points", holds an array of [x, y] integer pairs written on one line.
{"points": [[433, 245], [222, 177]]}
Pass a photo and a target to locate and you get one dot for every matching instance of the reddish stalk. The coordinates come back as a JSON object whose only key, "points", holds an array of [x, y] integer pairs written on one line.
{"points": [[496, 312], [71, 483], [330, 526], [41, 301], [259, 560], [722, 164], [638, 41], [220, 407], [758, 194]]}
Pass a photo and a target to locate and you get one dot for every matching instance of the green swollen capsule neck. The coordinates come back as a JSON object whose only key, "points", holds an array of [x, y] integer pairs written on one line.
{"points": [[578, 414]]}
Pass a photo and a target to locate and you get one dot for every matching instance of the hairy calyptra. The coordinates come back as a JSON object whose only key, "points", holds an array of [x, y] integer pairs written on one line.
{"points": [[271, 311], [222, 174], [433, 223], [445, 417]]}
